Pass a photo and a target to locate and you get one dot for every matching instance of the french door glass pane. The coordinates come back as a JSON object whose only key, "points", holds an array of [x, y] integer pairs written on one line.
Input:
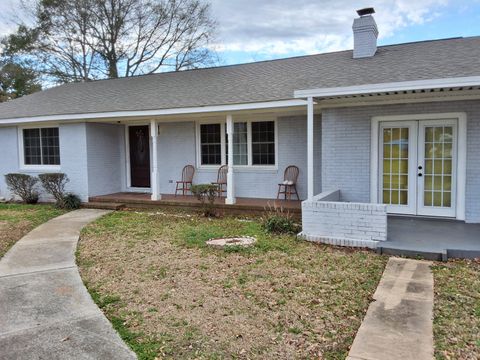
{"points": [[395, 166], [438, 166]]}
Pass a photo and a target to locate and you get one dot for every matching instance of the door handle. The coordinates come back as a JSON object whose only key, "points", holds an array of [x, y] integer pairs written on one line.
{"points": [[420, 167], [420, 174]]}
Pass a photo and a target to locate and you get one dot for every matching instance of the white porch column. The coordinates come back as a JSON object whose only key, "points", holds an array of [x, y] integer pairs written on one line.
{"points": [[230, 178], [154, 172], [310, 138]]}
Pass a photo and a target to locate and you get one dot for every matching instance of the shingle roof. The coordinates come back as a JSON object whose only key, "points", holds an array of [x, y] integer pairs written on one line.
{"points": [[255, 82]]}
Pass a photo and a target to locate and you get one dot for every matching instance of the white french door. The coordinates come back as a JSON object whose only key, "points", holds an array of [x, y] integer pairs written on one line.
{"points": [[418, 167]]}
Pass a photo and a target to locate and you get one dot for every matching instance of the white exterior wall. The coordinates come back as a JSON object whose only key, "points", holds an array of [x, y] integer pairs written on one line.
{"points": [[73, 158], [326, 219], [106, 160], [346, 148], [177, 148]]}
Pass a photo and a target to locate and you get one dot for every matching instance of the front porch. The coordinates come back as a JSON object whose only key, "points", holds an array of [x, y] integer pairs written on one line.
{"points": [[252, 206]]}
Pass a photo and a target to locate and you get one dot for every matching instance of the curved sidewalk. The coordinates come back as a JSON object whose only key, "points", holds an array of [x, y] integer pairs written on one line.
{"points": [[45, 310]]}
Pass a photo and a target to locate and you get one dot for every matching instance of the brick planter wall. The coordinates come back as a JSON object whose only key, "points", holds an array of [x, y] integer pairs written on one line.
{"points": [[328, 220]]}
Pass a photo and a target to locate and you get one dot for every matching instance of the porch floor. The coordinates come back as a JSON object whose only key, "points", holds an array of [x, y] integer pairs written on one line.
{"points": [[436, 239], [242, 205]]}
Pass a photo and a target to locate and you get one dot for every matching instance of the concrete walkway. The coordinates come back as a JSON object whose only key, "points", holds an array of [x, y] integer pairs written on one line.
{"points": [[398, 324], [45, 310]]}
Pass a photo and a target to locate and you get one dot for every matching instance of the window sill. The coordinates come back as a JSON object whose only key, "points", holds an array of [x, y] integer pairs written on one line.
{"points": [[37, 168]]}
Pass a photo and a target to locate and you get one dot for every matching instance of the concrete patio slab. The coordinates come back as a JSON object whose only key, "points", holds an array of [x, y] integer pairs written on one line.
{"points": [[433, 239], [398, 324], [45, 310]]}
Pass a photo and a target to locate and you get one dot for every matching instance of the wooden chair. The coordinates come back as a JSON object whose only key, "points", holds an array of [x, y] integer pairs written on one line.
{"points": [[221, 182], [185, 185], [289, 184]]}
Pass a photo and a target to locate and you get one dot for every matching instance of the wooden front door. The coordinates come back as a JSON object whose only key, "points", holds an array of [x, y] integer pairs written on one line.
{"points": [[139, 141]]}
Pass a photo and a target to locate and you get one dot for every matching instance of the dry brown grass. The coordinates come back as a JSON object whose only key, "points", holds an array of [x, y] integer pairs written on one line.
{"points": [[17, 220], [282, 299], [457, 310]]}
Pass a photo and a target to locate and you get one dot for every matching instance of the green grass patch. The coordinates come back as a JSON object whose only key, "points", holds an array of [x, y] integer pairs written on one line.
{"points": [[456, 323]]}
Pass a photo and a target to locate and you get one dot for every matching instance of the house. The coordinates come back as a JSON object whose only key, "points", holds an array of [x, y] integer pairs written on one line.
{"points": [[377, 130]]}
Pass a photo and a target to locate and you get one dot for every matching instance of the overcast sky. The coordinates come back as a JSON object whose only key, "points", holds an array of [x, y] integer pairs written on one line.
{"points": [[255, 30]]}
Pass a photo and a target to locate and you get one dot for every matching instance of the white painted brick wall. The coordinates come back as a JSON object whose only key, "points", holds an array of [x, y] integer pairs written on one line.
{"points": [[344, 224], [73, 159], [346, 148], [176, 148], [105, 158]]}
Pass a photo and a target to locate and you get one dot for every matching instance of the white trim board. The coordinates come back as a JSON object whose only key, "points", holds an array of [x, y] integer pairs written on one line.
{"points": [[147, 113], [461, 153], [390, 87]]}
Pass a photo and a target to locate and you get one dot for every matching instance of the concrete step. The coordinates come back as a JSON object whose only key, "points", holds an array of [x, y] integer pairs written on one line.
{"points": [[103, 205], [414, 254]]}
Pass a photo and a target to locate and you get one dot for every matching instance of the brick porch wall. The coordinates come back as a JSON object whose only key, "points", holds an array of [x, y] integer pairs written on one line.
{"points": [[328, 220]]}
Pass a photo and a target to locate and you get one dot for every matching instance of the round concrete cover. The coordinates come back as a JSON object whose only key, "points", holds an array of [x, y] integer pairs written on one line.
{"points": [[234, 241]]}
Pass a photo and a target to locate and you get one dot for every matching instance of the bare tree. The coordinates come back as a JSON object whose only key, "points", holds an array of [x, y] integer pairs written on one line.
{"points": [[89, 39], [59, 44]]}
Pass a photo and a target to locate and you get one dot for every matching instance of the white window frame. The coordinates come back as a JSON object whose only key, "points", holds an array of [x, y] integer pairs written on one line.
{"points": [[21, 150], [222, 123]]}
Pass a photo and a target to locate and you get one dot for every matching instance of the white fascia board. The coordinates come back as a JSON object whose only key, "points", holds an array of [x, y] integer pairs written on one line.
{"points": [[390, 87], [147, 113]]}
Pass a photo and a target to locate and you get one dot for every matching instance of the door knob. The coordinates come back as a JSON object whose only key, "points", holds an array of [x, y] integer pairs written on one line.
{"points": [[420, 174], [420, 167]]}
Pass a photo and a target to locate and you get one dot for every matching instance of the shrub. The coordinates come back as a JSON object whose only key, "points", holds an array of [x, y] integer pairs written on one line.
{"points": [[206, 193], [54, 184], [276, 220], [71, 202], [23, 186]]}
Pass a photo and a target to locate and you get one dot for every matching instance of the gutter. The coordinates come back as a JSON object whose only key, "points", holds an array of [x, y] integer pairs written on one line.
{"points": [[433, 84], [160, 112]]}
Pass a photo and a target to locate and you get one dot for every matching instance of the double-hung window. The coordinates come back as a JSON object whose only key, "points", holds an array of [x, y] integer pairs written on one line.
{"points": [[211, 144], [254, 144], [263, 143], [41, 147]]}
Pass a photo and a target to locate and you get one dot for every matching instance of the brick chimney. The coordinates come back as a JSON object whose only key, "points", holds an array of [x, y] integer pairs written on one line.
{"points": [[365, 33]]}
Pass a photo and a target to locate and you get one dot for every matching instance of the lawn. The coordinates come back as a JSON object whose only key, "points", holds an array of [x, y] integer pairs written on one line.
{"points": [[18, 220], [456, 323], [171, 296]]}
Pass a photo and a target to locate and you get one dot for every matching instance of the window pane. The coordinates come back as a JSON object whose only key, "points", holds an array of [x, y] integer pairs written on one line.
{"points": [[41, 146], [50, 146], [263, 143], [395, 166], [31, 147], [240, 145], [210, 144]]}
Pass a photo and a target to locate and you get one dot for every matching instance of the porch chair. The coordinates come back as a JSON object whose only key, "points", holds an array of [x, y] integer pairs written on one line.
{"points": [[289, 185], [221, 182], [185, 184]]}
